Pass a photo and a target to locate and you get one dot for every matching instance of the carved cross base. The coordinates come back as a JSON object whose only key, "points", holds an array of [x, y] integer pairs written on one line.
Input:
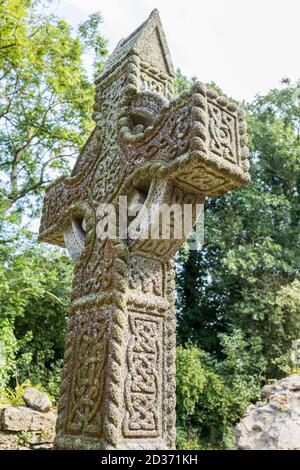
{"points": [[118, 384]]}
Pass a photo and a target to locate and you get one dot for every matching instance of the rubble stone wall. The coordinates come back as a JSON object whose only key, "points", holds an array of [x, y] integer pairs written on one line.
{"points": [[27, 427]]}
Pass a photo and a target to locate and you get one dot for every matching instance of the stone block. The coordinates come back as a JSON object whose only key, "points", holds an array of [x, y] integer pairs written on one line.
{"points": [[21, 418], [37, 400]]}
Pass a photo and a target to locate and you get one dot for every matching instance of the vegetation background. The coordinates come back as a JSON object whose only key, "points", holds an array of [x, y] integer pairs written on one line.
{"points": [[238, 300]]}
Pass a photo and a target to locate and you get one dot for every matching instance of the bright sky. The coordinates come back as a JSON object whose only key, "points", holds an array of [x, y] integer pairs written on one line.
{"points": [[245, 46]]}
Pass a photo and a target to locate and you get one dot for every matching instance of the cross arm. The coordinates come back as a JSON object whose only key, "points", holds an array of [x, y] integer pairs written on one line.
{"points": [[199, 137], [65, 197]]}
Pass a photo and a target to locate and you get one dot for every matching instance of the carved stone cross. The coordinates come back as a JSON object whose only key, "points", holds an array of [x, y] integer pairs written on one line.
{"points": [[118, 380]]}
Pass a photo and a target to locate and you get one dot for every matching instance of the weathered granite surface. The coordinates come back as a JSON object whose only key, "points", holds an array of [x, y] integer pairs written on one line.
{"points": [[275, 423], [118, 381]]}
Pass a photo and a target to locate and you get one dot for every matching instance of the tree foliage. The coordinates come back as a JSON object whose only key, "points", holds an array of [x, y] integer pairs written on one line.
{"points": [[46, 97], [46, 105], [239, 298], [34, 294]]}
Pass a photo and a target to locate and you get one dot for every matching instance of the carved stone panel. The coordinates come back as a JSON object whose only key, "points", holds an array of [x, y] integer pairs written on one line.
{"points": [[143, 384], [223, 133], [85, 398], [146, 276]]}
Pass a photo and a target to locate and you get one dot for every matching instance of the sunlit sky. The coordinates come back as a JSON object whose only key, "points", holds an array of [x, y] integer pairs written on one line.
{"points": [[245, 46]]}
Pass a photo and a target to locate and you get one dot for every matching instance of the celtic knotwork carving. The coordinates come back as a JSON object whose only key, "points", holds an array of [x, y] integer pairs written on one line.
{"points": [[118, 380], [222, 132], [146, 277], [86, 395], [144, 418], [143, 382], [169, 379], [97, 273], [106, 178], [66, 375], [109, 171], [150, 82], [165, 141]]}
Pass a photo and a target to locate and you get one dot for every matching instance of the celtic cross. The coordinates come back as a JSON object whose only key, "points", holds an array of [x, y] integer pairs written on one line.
{"points": [[118, 379]]}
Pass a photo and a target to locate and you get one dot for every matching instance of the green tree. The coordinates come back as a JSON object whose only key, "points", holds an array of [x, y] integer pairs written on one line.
{"points": [[46, 100], [246, 275], [238, 299], [34, 295], [211, 394]]}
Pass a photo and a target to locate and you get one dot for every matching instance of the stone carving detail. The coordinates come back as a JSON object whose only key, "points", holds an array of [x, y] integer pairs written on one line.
{"points": [[143, 382], [208, 181], [86, 395], [95, 272], [222, 133], [169, 398], [146, 277], [118, 379], [164, 142], [80, 404]]}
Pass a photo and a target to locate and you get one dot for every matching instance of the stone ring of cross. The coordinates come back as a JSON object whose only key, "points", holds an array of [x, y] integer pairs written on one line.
{"points": [[148, 150]]}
